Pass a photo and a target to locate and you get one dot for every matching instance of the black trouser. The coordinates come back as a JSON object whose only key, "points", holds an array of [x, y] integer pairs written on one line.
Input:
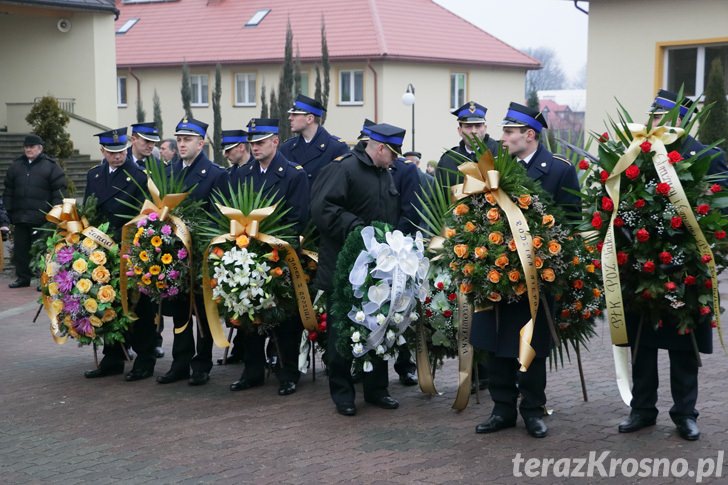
{"points": [[113, 356], [185, 354], [24, 236], [505, 382], [288, 335], [404, 365], [143, 334], [683, 383]]}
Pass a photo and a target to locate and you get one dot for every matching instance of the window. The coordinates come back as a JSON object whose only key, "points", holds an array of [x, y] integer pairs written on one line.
{"points": [[351, 87], [457, 89], [303, 87], [245, 89], [199, 89], [121, 91], [257, 17], [690, 67], [127, 25]]}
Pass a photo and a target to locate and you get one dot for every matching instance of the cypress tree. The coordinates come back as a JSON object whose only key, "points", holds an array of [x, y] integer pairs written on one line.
{"points": [[715, 125], [273, 104], [326, 68], [285, 84], [158, 114], [186, 91], [140, 113], [263, 103], [318, 95], [217, 116], [297, 73]]}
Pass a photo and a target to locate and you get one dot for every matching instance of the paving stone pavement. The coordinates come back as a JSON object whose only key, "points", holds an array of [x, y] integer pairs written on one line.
{"points": [[58, 427]]}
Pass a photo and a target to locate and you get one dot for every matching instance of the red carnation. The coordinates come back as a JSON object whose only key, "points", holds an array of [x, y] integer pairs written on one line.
{"points": [[447, 313], [663, 188], [674, 157], [646, 295], [607, 204], [428, 299], [597, 263], [643, 235], [322, 326], [604, 137], [690, 280], [676, 222], [603, 176], [632, 172], [705, 310], [583, 164], [706, 258], [596, 221], [452, 297], [715, 188], [428, 313], [708, 284], [639, 203], [312, 336], [440, 285], [714, 324], [618, 222], [565, 313], [720, 234], [622, 258], [649, 266], [703, 209], [670, 286], [665, 257], [646, 147], [600, 245]]}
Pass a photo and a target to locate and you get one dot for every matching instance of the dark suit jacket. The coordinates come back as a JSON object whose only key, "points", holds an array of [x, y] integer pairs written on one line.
{"points": [[315, 155]]}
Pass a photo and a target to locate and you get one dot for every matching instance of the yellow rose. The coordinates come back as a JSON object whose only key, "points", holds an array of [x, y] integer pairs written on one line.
{"points": [[89, 244], [166, 258], [106, 294], [53, 288], [98, 257], [100, 274], [75, 238], [57, 306], [80, 265], [91, 305], [155, 269], [109, 315], [59, 246], [51, 269], [144, 256], [83, 285], [95, 321], [242, 241], [590, 268]]}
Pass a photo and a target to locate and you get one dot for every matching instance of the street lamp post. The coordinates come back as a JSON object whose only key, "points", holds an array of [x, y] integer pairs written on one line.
{"points": [[408, 98]]}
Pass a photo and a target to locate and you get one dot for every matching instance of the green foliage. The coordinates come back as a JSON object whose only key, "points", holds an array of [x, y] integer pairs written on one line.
{"points": [[158, 114], [140, 113], [217, 116], [49, 122], [263, 103], [273, 104], [318, 94], [186, 91], [532, 101], [285, 85], [297, 72], [434, 205], [714, 126]]}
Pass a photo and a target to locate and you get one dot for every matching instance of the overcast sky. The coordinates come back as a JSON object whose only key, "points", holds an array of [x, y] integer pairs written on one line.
{"points": [[532, 23]]}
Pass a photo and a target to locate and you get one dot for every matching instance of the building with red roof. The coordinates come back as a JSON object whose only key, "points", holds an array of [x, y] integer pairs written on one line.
{"points": [[376, 49]]}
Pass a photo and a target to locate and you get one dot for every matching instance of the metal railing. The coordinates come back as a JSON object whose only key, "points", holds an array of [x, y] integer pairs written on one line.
{"points": [[66, 104]]}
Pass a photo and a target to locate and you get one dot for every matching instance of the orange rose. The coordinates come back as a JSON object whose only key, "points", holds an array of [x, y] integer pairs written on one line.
{"points": [[461, 250], [538, 262], [496, 237], [512, 245], [494, 276], [590, 268], [450, 232], [470, 227], [586, 315], [481, 252], [596, 292], [554, 247], [466, 287], [578, 306], [520, 289], [514, 276], [575, 260], [217, 251], [590, 248], [490, 198], [492, 215], [276, 272], [578, 284], [502, 261], [494, 296], [454, 266], [461, 209], [548, 275], [242, 241], [537, 242], [524, 201], [106, 294], [548, 220], [109, 315], [213, 282], [468, 269]]}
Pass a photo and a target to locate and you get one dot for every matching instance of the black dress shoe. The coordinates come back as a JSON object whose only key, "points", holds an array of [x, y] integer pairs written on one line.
{"points": [[635, 422], [535, 426], [688, 429], [199, 378], [158, 352], [384, 402], [245, 383], [172, 376], [138, 374], [408, 379], [286, 388], [495, 423], [19, 284], [346, 409], [103, 372]]}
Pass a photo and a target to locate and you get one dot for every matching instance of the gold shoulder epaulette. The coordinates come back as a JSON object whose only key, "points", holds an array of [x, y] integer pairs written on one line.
{"points": [[563, 159]]}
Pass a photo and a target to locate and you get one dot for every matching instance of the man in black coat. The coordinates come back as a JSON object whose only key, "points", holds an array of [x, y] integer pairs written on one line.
{"points": [[641, 328], [497, 331], [144, 136], [33, 184], [471, 122], [200, 176], [313, 147], [114, 181], [351, 193], [289, 182]]}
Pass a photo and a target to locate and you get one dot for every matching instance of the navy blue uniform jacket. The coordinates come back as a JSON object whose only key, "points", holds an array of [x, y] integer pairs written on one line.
{"points": [[201, 176], [316, 154]]}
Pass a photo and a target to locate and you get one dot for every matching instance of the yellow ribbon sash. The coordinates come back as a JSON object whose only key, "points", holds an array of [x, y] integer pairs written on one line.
{"points": [[69, 224], [163, 207], [465, 352], [249, 225], [482, 177]]}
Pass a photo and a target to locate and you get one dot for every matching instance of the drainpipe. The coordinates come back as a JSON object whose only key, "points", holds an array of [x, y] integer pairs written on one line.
{"points": [[139, 85], [580, 9], [376, 91]]}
